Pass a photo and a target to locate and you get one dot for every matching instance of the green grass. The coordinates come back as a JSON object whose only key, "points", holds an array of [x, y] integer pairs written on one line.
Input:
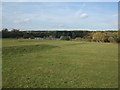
{"points": [[59, 64]]}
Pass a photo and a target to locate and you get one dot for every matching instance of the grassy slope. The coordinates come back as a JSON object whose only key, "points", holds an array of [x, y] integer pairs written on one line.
{"points": [[57, 64]]}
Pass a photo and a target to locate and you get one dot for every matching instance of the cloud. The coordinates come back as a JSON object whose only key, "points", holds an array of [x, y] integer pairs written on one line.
{"points": [[80, 14], [83, 15], [23, 21]]}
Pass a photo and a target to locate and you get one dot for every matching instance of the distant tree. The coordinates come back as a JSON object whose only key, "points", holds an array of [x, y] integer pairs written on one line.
{"points": [[5, 33], [117, 39], [111, 39], [98, 36], [73, 35], [87, 38], [15, 30], [16, 33], [109, 36], [25, 36], [115, 34], [5, 30]]}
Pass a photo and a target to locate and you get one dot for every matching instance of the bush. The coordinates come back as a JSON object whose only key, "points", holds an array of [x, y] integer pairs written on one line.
{"points": [[78, 38], [117, 40], [50, 38], [65, 38], [88, 40], [111, 39], [32, 37]]}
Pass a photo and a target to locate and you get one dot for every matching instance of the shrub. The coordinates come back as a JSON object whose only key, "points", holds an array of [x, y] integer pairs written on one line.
{"points": [[50, 38], [117, 40], [88, 40], [78, 38], [65, 38], [111, 39], [32, 37]]}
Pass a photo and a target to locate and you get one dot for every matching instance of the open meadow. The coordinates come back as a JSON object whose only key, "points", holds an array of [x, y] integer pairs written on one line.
{"points": [[33, 63]]}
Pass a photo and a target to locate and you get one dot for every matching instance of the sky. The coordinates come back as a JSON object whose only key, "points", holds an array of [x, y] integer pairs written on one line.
{"points": [[60, 15]]}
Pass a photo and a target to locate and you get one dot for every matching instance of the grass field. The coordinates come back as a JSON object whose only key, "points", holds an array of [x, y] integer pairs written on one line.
{"points": [[59, 64]]}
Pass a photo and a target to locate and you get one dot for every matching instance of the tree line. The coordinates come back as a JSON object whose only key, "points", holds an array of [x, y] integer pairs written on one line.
{"points": [[95, 36]]}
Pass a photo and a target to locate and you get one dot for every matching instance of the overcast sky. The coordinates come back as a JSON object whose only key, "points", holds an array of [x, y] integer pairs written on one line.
{"points": [[60, 15]]}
